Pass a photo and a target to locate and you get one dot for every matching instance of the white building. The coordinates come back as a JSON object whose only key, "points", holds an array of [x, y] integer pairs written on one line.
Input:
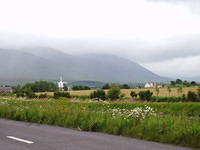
{"points": [[149, 85], [153, 85], [61, 85]]}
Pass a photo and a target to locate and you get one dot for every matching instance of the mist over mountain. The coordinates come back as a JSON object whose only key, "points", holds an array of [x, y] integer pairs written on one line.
{"points": [[41, 63]]}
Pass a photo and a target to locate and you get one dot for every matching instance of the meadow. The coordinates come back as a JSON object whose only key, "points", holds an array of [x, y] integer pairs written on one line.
{"points": [[174, 123], [163, 92]]}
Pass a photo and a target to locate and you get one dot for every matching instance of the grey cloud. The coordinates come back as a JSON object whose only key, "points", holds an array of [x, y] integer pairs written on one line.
{"points": [[136, 50]]}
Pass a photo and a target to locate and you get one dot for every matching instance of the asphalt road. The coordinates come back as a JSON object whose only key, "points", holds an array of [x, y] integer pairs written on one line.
{"points": [[16, 135]]}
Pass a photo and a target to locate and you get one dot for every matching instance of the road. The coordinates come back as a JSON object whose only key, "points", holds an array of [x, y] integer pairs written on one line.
{"points": [[16, 135]]}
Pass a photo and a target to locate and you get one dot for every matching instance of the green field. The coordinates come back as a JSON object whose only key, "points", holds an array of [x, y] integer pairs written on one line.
{"points": [[174, 123]]}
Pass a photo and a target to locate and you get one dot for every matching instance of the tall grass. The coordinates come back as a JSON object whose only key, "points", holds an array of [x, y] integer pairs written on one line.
{"points": [[176, 123]]}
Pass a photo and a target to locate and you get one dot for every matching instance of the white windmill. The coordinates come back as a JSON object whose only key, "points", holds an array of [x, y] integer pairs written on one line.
{"points": [[61, 84]]}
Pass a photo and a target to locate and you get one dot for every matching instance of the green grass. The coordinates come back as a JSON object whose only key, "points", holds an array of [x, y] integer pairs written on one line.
{"points": [[175, 123]]}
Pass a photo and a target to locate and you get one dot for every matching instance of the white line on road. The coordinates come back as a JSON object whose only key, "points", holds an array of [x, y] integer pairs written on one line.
{"points": [[21, 140]]}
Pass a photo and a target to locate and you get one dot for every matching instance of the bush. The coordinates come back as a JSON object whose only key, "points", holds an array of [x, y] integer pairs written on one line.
{"points": [[145, 95], [166, 99], [98, 94], [114, 92], [43, 96], [133, 94], [57, 95], [192, 96]]}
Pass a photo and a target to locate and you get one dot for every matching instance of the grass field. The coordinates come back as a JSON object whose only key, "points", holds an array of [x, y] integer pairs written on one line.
{"points": [[163, 92], [174, 123]]}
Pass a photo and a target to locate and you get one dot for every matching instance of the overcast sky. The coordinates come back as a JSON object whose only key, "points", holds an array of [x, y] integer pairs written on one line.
{"points": [[162, 35]]}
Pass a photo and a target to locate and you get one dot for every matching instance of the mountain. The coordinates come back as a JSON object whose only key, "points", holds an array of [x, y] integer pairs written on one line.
{"points": [[48, 64]]}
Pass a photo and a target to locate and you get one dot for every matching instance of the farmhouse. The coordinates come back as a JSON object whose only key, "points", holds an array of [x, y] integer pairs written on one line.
{"points": [[153, 85], [5, 89]]}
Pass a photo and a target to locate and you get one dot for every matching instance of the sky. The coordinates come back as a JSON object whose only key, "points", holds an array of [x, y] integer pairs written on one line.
{"points": [[161, 35]]}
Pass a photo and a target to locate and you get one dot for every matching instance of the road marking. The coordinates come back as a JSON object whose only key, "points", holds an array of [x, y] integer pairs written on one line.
{"points": [[21, 140]]}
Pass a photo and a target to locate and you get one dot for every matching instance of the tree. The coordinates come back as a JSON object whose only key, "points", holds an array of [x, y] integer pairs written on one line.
{"points": [[114, 92], [133, 94], [145, 95], [179, 81], [169, 90], [193, 83], [80, 87], [106, 86], [41, 86], [186, 83], [180, 90], [198, 91], [157, 91], [173, 83], [29, 93], [125, 86], [192, 96], [98, 94]]}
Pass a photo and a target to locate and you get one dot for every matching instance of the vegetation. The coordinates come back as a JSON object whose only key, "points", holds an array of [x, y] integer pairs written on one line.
{"points": [[61, 95], [106, 86], [114, 92], [179, 82], [145, 95], [125, 86], [80, 87], [133, 94], [175, 123], [98, 94], [41, 86]]}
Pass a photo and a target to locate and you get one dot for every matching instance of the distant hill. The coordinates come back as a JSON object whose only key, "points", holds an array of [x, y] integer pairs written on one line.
{"points": [[48, 64]]}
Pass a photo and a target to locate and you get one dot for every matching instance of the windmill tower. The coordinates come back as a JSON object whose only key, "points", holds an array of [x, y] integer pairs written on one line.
{"points": [[61, 84]]}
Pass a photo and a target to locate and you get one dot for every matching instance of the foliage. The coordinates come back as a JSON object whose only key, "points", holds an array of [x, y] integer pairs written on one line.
{"points": [[41, 86], [125, 86], [106, 86], [80, 87], [114, 92], [43, 96], [57, 95], [98, 94], [174, 123], [192, 96], [133, 94], [179, 82], [166, 99], [198, 91], [145, 95]]}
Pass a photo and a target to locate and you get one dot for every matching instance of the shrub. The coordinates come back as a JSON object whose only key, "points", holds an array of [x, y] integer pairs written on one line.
{"points": [[192, 96], [133, 94], [43, 96], [145, 95], [114, 92], [166, 99], [61, 94], [98, 94]]}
